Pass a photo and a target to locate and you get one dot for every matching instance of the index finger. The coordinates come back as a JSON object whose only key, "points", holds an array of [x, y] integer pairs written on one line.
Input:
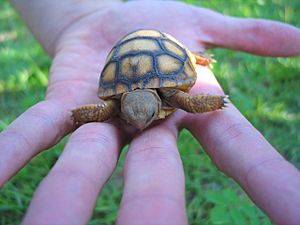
{"points": [[239, 150], [257, 36], [36, 129]]}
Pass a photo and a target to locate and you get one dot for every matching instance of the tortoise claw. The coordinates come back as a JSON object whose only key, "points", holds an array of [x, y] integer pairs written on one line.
{"points": [[226, 101]]}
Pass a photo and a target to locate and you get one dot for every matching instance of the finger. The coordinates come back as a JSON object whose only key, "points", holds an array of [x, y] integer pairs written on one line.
{"points": [[240, 151], [69, 192], [258, 36], [38, 128], [264, 37], [153, 180]]}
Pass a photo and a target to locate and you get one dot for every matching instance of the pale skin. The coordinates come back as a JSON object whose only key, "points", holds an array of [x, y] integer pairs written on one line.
{"points": [[68, 31]]}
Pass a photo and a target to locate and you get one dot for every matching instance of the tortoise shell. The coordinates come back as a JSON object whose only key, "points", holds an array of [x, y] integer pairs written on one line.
{"points": [[147, 59]]}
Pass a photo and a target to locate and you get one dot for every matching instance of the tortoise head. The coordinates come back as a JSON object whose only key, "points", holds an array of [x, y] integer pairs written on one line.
{"points": [[140, 107]]}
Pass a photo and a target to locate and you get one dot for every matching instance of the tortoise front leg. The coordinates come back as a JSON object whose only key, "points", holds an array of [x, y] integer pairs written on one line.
{"points": [[95, 112], [198, 103]]}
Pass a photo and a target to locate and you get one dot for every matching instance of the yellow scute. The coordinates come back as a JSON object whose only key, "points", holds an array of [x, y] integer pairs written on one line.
{"points": [[189, 70], [192, 59], [170, 83], [138, 45], [171, 47], [147, 33], [105, 93], [108, 58], [153, 83], [109, 72], [136, 65], [174, 40], [121, 88], [168, 64], [137, 85]]}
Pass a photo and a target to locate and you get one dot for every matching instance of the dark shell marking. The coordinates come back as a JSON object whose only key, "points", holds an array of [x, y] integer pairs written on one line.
{"points": [[146, 59]]}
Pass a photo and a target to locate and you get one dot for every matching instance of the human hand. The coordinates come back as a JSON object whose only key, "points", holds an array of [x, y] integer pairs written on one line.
{"points": [[154, 175]]}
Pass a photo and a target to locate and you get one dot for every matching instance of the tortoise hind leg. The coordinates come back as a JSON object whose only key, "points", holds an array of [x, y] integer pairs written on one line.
{"points": [[95, 112], [198, 103], [203, 59]]}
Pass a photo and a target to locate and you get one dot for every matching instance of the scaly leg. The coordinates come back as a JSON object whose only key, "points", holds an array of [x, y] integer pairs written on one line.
{"points": [[198, 103], [203, 59], [95, 112]]}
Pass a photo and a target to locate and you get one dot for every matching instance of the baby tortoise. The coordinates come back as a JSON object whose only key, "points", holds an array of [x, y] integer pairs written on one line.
{"points": [[146, 77]]}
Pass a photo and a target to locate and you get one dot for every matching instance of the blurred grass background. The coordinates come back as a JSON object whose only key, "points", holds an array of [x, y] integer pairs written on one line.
{"points": [[265, 89]]}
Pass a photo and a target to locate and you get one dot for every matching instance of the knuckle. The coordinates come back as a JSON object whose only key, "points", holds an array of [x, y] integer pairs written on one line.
{"points": [[154, 155], [98, 141], [94, 133], [45, 113], [155, 148], [77, 176], [68, 89], [18, 137], [234, 131], [154, 196], [41, 111]]}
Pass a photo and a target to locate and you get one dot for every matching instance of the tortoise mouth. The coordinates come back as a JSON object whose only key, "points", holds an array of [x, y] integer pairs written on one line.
{"points": [[140, 108]]}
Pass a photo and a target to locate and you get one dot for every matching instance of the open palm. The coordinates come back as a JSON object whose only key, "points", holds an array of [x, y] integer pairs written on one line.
{"points": [[92, 151]]}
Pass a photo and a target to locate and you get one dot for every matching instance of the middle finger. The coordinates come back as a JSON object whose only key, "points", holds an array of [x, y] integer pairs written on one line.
{"points": [[153, 180]]}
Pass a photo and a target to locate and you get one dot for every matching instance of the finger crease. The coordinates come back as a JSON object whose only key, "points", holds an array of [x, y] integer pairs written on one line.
{"points": [[46, 118], [145, 198], [232, 132], [68, 174], [161, 152], [91, 138], [260, 164], [17, 135]]}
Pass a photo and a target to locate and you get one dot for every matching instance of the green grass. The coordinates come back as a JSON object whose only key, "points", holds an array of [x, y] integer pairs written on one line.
{"points": [[265, 89]]}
